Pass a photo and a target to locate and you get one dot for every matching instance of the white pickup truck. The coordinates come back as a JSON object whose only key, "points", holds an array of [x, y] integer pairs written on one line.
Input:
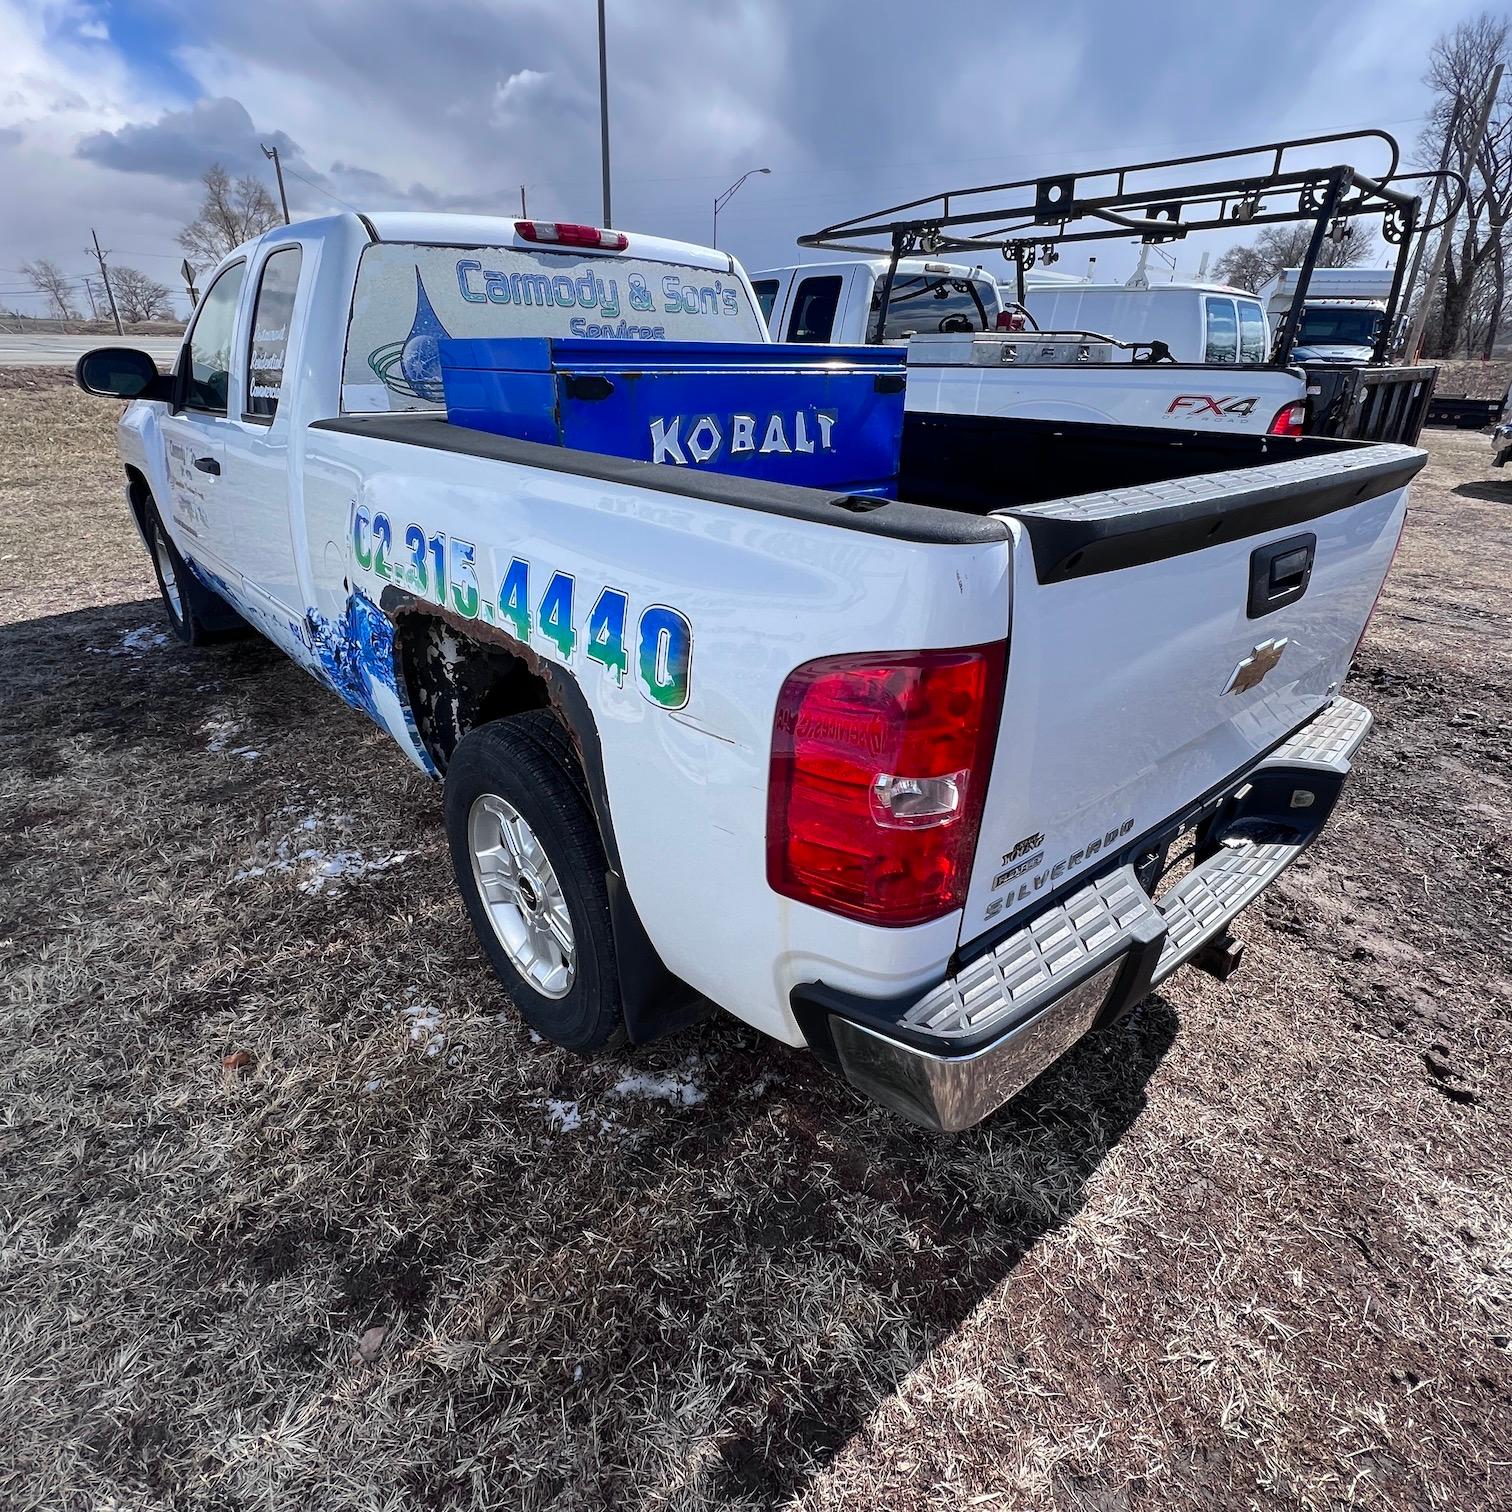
{"points": [[898, 779], [1064, 373]]}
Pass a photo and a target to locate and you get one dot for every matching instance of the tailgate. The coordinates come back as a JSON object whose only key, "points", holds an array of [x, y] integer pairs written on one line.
{"points": [[1159, 644]]}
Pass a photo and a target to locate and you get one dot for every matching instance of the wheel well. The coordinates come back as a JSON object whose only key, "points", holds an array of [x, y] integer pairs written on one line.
{"points": [[137, 494], [455, 682]]}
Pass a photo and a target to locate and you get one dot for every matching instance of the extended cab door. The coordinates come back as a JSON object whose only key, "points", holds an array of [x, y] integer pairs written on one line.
{"points": [[259, 445], [194, 433]]}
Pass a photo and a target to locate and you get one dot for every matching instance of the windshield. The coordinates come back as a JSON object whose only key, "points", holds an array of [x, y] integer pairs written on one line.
{"points": [[1322, 326], [408, 297], [923, 303]]}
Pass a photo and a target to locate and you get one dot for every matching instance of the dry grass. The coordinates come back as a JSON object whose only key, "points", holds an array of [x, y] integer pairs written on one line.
{"points": [[294, 1217]]}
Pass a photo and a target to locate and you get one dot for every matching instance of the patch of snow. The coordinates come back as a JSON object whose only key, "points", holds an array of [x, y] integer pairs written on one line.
{"points": [[134, 643], [319, 868], [564, 1116], [425, 1029], [374, 1083], [676, 1087], [332, 869]]}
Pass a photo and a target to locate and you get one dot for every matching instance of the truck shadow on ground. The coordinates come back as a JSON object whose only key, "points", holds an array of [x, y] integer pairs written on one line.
{"points": [[793, 1251], [1491, 493]]}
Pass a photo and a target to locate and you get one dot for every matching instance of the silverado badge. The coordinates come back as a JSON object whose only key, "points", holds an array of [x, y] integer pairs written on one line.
{"points": [[1250, 672]]}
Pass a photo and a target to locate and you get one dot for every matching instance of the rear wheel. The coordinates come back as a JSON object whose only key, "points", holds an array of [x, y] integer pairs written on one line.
{"points": [[530, 867]]}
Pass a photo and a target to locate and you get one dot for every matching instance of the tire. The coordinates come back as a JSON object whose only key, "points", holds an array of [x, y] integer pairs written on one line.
{"points": [[528, 859], [189, 605]]}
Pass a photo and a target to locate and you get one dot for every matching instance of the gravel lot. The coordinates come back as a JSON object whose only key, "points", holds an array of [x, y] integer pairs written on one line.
{"points": [[293, 1215]]}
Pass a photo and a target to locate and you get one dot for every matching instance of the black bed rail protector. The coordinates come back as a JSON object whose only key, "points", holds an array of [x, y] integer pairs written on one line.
{"points": [[1127, 527], [882, 517]]}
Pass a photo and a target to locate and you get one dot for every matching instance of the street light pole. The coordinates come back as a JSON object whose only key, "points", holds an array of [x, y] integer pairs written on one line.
{"points": [[721, 200], [604, 112]]}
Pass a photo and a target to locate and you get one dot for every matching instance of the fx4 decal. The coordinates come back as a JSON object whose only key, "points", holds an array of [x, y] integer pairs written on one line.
{"points": [[1200, 406]]}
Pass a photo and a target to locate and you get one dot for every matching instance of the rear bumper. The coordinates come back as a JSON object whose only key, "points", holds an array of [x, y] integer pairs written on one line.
{"points": [[949, 1058]]}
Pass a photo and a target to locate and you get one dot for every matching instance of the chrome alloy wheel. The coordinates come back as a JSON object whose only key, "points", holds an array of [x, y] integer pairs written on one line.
{"points": [[523, 897], [170, 578]]}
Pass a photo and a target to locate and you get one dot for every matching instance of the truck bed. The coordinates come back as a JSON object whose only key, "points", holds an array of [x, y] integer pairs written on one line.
{"points": [[1092, 497]]}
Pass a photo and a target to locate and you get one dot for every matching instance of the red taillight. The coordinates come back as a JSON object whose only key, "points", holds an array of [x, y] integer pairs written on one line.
{"points": [[570, 235], [879, 769], [1010, 320], [1289, 420]]}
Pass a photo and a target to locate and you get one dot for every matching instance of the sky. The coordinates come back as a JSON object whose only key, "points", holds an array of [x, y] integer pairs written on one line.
{"points": [[110, 110]]}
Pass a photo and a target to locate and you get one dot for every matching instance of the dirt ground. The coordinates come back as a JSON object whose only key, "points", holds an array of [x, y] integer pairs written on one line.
{"points": [[293, 1215]]}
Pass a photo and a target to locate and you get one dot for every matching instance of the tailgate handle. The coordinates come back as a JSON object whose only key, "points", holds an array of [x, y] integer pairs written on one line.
{"points": [[1280, 573]]}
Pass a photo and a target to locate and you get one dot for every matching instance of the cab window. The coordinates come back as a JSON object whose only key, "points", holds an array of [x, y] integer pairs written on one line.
{"points": [[922, 305], [1222, 328], [268, 342], [1251, 332], [765, 290], [207, 381], [814, 307]]}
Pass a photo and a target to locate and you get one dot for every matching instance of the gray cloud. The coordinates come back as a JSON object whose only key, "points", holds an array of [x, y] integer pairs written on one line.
{"points": [[852, 107], [181, 144]]}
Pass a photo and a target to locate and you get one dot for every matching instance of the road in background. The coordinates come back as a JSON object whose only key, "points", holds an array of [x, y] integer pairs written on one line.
{"points": [[64, 351]]}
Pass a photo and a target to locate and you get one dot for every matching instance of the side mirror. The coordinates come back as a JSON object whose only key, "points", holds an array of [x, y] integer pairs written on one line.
{"points": [[120, 373]]}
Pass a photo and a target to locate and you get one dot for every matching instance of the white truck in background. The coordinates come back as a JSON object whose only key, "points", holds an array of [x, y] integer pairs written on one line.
{"points": [[1341, 315], [966, 357], [896, 779]]}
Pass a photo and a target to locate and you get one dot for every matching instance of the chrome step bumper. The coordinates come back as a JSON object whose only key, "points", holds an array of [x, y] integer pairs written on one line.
{"points": [[968, 1045]]}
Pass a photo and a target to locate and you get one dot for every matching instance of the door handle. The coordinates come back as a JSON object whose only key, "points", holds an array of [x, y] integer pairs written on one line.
{"points": [[208, 465]]}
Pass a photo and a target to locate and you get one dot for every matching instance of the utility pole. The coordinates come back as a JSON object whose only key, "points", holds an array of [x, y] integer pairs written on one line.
{"points": [[105, 279], [524, 213], [283, 199], [94, 309], [604, 112], [1438, 184], [1430, 285]]}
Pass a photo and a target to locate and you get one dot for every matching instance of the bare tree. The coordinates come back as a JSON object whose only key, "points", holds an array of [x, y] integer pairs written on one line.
{"points": [[1278, 247], [138, 296], [50, 281], [232, 211], [1460, 65]]}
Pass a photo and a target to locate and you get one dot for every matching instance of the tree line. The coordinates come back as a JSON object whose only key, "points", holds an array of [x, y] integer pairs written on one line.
{"points": [[231, 211]]}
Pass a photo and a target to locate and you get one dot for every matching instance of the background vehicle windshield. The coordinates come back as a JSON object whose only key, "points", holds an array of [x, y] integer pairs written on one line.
{"points": [[923, 303], [1338, 327]]}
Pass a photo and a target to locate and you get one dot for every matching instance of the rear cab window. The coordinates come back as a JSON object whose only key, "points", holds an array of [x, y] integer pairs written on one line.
{"points": [[814, 307], [925, 303], [1221, 327], [268, 341], [1251, 332], [409, 296]]}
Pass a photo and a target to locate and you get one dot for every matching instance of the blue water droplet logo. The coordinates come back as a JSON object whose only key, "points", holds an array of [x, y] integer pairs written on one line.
{"points": [[412, 367]]}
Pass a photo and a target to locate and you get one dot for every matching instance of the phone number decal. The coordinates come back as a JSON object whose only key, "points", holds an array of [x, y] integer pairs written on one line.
{"points": [[444, 570]]}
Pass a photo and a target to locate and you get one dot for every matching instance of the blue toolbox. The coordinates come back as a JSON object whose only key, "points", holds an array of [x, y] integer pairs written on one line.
{"points": [[816, 416]]}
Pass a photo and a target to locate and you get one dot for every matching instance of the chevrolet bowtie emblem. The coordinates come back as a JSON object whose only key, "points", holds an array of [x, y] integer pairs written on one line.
{"points": [[1250, 673]]}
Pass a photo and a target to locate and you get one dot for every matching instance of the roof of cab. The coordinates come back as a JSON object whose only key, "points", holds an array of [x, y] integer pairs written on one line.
{"points": [[488, 231], [499, 231]]}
